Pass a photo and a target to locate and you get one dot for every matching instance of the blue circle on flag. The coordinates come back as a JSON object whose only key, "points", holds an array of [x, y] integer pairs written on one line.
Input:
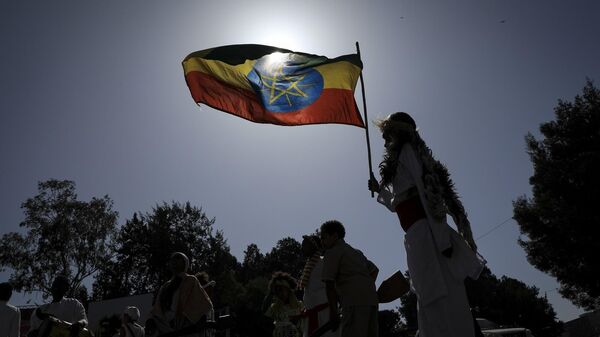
{"points": [[284, 82]]}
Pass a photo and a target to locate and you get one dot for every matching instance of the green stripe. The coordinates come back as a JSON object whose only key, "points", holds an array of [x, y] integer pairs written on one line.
{"points": [[238, 54]]}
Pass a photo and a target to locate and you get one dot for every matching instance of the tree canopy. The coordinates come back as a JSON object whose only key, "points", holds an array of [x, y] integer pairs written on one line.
{"points": [[558, 221], [145, 242], [505, 301], [63, 235]]}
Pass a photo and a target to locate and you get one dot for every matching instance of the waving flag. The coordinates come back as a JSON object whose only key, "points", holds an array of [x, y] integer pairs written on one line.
{"points": [[266, 84]]}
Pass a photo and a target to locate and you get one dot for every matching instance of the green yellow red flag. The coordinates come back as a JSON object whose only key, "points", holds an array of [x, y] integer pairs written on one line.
{"points": [[266, 84]]}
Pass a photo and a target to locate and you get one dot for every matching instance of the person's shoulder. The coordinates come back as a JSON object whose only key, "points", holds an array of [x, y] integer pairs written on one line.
{"points": [[346, 246], [191, 278], [71, 301], [9, 307], [339, 246]]}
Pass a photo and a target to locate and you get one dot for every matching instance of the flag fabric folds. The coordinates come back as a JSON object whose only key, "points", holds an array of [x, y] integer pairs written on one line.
{"points": [[266, 84]]}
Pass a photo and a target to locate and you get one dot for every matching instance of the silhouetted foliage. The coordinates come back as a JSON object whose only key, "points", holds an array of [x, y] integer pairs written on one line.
{"points": [[408, 308], [390, 323], [145, 243], [558, 221], [510, 302], [63, 236], [251, 321], [253, 265], [286, 256], [506, 301]]}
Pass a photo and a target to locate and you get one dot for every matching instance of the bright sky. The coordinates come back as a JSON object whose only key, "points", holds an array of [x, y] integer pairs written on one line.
{"points": [[94, 92]]}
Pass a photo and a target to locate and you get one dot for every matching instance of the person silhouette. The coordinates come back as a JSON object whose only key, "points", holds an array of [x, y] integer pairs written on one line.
{"points": [[418, 188]]}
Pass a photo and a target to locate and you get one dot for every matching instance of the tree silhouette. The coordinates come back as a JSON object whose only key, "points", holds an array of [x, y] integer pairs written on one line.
{"points": [[286, 256], [63, 236], [390, 323], [145, 243], [253, 265], [558, 221], [506, 301]]}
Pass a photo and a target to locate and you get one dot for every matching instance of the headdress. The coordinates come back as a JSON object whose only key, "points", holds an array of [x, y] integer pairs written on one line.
{"points": [[280, 278], [396, 126], [285, 280]]}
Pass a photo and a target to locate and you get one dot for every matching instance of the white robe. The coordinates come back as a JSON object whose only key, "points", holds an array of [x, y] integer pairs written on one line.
{"points": [[438, 281], [314, 295], [67, 309]]}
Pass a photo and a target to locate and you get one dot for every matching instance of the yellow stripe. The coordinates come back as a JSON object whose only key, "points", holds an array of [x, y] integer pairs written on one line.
{"points": [[234, 75], [339, 75]]}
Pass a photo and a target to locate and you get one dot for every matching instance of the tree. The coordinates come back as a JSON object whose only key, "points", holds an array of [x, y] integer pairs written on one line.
{"points": [[558, 221], [247, 304], [253, 265], [286, 256], [144, 245], [408, 308], [390, 324], [510, 302], [506, 301], [63, 236]]}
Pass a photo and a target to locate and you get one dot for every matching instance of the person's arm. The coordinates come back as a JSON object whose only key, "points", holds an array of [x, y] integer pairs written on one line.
{"points": [[34, 322], [193, 301], [374, 184], [373, 270], [385, 195], [15, 325], [80, 316], [267, 302], [332, 299], [205, 302], [331, 266]]}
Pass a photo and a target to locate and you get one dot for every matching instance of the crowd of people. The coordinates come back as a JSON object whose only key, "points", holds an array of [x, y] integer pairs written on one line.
{"points": [[340, 297]]}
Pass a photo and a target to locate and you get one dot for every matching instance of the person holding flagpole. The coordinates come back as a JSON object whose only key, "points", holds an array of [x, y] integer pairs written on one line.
{"points": [[418, 188]]}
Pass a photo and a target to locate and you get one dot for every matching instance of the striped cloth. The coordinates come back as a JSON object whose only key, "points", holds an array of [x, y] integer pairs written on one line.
{"points": [[308, 268]]}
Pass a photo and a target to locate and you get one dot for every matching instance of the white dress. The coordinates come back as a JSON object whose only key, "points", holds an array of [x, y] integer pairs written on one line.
{"points": [[314, 295], [438, 281]]}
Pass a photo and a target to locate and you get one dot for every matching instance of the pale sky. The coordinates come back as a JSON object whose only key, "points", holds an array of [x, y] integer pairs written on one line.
{"points": [[94, 92]]}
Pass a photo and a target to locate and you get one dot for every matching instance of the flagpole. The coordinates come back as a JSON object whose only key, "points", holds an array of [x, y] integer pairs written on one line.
{"points": [[362, 87]]}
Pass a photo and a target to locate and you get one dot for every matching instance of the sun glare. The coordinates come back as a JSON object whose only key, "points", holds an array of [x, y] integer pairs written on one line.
{"points": [[275, 60]]}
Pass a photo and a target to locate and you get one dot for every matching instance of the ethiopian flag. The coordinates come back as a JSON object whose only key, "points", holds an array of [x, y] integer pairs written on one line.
{"points": [[266, 84]]}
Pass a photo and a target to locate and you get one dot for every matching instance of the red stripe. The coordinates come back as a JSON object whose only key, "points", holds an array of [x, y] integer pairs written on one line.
{"points": [[333, 106]]}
